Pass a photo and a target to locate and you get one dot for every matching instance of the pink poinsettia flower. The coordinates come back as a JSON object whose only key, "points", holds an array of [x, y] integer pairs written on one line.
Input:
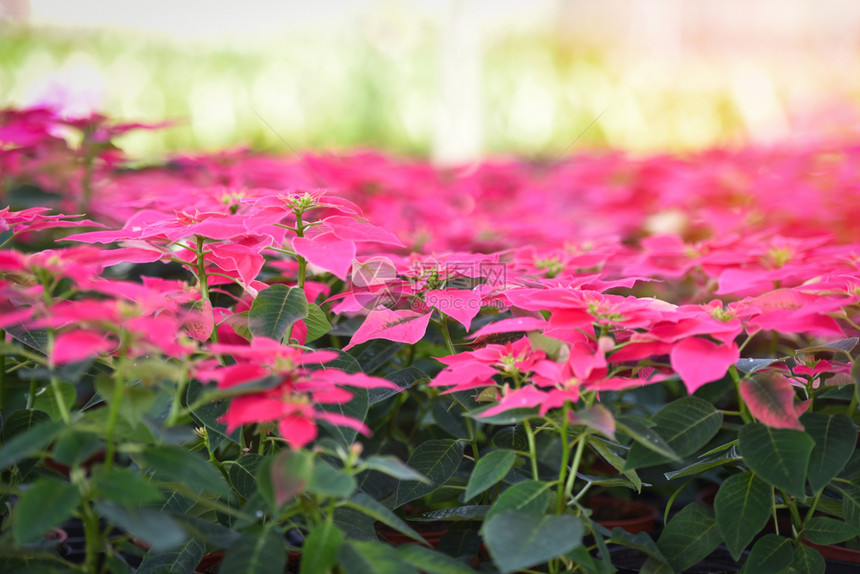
{"points": [[698, 361], [79, 344], [291, 404]]}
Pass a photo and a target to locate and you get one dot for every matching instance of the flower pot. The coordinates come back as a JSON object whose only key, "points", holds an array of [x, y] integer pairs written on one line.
{"points": [[630, 515], [839, 558], [432, 532]]}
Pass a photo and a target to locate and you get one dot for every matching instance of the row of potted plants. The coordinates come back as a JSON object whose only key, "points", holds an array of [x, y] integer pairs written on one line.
{"points": [[216, 364]]}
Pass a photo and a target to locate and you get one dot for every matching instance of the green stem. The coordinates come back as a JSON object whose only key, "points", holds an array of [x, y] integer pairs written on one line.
{"points": [[742, 407], [530, 436], [203, 282], [176, 403], [303, 263], [565, 456], [61, 401], [92, 538], [113, 412], [31, 395], [574, 468]]}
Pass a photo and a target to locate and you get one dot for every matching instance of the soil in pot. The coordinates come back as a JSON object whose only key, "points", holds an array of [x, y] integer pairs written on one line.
{"points": [[630, 515]]}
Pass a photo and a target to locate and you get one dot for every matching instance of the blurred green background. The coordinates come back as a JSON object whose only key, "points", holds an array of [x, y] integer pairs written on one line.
{"points": [[664, 74]]}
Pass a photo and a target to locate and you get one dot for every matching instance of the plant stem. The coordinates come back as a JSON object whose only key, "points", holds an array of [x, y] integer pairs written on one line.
{"points": [[203, 282], [2, 370], [530, 436], [61, 401], [303, 263], [574, 468], [565, 456], [113, 412], [92, 537]]}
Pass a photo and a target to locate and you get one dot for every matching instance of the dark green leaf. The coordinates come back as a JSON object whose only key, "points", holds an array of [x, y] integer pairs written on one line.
{"points": [[714, 461], [393, 466], [46, 504], [851, 504], [639, 541], [46, 400], [404, 379], [647, 437], [826, 530], [843, 346], [378, 511], [806, 561], [467, 512], [510, 417], [327, 480], [208, 414], [29, 442], [519, 539], [183, 560], [835, 438], [749, 366], [686, 425], [690, 536], [355, 408], [489, 470], [770, 555], [319, 552], [371, 558], [317, 324], [256, 552], [176, 464], [431, 562], [375, 354], [75, 447], [275, 309], [125, 487], [448, 415], [513, 438], [779, 456], [529, 495], [243, 474], [435, 459], [156, 529], [742, 507]]}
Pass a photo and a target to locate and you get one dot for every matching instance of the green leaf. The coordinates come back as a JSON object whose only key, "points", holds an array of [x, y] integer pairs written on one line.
{"points": [[327, 480], [183, 560], [435, 459], [806, 561], [851, 504], [714, 461], [156, 529], [843, 346], [75, 447], [317, 324], [690, 536], [376, 510], [45, 505], [319, 551], [489, 470], [529, 495], [639, 541], [285, 476], [374, 354], [393, 466], [176, 464], [371, 558], [404, 379], [742, 507], [29, 442], [256, 552], [769, 555], [275, 310], [208, 415], [355, 408], [825, 530], [243, 474], [598, 418], [749, 366], [647, 437], [430, 561], [835, 438], [46, 400], [519, 539], [686, 425], [125, 487], [466, 512], [513, 438], [779, 456]]}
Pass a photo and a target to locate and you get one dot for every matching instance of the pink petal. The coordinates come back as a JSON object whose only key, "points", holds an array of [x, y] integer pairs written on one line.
{"points": [[512, 325], [462, 305], [78, 345], [297, 430], [524, 397], [327, 251], [403, 326], [699, 361]]}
